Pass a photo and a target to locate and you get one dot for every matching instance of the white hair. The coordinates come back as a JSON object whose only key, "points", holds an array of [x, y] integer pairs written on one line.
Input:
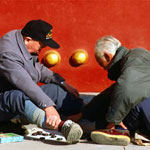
{"points": [[107, 44]]}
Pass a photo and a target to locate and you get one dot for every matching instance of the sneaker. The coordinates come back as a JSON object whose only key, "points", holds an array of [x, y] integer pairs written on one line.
{"points": [[71, 131], [111, 137]]}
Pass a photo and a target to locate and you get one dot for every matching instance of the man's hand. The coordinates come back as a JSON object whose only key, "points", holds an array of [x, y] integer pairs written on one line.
{"points": [[70, 89], [52, 117], [122, 125], [112, 125]]}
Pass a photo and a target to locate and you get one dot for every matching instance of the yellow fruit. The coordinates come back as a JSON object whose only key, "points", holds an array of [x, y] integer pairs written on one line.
{"points": [[52, 58], [79, 57]]}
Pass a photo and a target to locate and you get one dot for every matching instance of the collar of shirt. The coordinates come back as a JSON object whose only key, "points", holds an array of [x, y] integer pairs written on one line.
{"points": [[22, 46]]}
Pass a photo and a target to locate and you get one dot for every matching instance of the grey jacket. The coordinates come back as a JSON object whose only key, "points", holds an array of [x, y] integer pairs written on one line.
{"points": [[131, 71], [18, 70]]}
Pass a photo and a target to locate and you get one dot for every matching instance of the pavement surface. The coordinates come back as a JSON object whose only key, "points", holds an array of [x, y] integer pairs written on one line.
{"points": [[37, 144]]}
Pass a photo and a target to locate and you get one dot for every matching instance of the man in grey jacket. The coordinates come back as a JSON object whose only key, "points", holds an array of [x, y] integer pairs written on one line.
{"points": [[20, 72], [125, 104]]}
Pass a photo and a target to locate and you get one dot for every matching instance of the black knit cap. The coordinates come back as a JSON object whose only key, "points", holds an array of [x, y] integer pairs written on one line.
{"points": [[41, 31]]}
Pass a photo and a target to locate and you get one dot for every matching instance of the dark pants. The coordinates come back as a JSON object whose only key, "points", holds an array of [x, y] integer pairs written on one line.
{"points": [[97, 108], [138, 118], [12, 103]]}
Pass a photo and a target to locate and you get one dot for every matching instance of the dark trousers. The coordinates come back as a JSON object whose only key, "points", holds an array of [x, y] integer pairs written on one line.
{"points": [[138, 118], [12, 103]]}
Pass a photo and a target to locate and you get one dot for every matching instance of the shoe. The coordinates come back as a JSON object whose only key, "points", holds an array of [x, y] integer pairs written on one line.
{"points": [[71, 131], [111, 137]]}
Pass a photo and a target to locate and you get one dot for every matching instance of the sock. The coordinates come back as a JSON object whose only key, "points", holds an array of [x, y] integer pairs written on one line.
{"points": [[38, 117], [34, 114], [60, 125]]}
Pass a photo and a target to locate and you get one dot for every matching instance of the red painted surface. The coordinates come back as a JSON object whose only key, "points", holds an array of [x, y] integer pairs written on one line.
{"points": [[79, 24]]}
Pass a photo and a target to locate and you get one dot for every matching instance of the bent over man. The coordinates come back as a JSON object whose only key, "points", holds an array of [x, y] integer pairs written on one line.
{"points": [[125, 104], [20, 72]]}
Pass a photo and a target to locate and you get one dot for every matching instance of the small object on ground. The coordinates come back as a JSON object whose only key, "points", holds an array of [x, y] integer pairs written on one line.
{"points": [[53, 136], [39, 132], [34, 134], [10, 137], [42, 138], [59, 139], [46, 134]]}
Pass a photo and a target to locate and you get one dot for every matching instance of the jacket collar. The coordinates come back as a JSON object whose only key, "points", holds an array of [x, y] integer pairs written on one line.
{"points": [[120, 53], [22, 46]]}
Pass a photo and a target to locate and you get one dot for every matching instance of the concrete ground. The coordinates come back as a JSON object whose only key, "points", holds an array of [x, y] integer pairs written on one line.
{"points": [[32, 144]]}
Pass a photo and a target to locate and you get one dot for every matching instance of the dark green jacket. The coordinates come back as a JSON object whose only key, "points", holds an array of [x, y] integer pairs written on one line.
{"points": [[131, 71]]}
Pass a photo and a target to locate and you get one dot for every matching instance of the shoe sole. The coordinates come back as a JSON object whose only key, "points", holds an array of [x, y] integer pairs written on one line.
{"points": [[107, 139], [74, 134]]}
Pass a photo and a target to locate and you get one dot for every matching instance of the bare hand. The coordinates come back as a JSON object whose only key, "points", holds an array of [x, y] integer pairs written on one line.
{"points": [[52, 117], [112, 125], [122, 125]]}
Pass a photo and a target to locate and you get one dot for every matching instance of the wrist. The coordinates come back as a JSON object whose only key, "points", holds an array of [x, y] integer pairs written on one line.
{"points": [[46, 108]]}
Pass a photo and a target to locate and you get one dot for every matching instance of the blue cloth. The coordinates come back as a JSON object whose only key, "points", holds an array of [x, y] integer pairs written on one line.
{"points": [[29, 110], [139, 118], [13, 102]]}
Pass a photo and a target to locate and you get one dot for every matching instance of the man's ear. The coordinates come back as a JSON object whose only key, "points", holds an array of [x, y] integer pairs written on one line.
{"points": [[108, 56]]}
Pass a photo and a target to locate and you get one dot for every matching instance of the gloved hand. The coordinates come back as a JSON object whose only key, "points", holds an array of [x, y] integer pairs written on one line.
{"points": [[70, 88], [61, 81], [57, 79]]}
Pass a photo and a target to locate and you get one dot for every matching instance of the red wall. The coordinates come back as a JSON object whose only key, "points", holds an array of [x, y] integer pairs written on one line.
{"points": [[79, 24]]}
